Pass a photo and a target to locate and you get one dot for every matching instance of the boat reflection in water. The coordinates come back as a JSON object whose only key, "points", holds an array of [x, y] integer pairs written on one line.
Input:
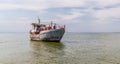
{"points": [[46, 52]]}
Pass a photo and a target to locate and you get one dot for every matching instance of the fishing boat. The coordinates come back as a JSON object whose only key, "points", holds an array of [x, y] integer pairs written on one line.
{"points": [[47, 32]]}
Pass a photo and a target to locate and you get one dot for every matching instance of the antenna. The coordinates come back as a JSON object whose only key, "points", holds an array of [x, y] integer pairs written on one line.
{"points": [[51, 23], [38, 20]]}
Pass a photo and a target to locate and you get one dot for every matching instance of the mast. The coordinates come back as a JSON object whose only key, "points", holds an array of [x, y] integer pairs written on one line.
{"points": [[51, 24]]}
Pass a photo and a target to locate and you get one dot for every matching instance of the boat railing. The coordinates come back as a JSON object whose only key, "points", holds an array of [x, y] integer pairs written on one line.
{"points": [[43, 27], [49, 27]]}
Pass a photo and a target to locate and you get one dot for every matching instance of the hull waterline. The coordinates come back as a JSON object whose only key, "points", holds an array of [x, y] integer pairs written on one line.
{"points": [[49, 35]]}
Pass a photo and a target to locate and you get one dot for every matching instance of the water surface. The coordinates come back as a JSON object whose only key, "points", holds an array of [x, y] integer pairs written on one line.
{"points": [[75, 48]]}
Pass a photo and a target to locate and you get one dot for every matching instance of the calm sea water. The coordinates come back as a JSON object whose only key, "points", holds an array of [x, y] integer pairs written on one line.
{"points": [[75, 48]]}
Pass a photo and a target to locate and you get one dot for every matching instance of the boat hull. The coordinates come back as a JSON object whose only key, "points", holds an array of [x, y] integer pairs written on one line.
{"points": [[49, 35]]}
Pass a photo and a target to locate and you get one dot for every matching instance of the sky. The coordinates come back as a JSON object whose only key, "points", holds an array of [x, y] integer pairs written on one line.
{"points": [[77, 15]]}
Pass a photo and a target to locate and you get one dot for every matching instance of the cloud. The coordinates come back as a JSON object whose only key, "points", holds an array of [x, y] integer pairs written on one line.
{"points": [[39, 4], [10, 6], [71, 16], [45, 4], [106, 2], [85, 14], [108, 14], [98, 10]]}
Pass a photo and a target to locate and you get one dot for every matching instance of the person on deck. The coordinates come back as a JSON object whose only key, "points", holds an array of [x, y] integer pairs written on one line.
{"points": [[54, 27], [38, 30]]}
